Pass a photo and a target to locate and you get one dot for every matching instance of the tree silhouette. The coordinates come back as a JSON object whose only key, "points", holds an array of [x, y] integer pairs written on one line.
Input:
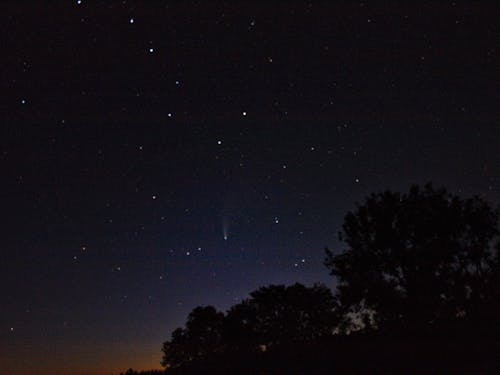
{"points": [[239, 326], [176, 351], [274, 314], [202, 336], [277, 314], [204, 329], [417, 258]]}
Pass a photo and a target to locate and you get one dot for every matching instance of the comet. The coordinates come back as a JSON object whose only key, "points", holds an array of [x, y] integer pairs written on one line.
{"points": [[225, 228]]}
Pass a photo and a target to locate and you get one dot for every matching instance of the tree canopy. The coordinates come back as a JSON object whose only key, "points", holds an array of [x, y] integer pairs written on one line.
{"points": [[414, 259], [201, 336], [272, 315], [277, 313]]}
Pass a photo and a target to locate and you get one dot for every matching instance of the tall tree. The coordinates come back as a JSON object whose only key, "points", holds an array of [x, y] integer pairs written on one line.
{"points": [[413, 259]]}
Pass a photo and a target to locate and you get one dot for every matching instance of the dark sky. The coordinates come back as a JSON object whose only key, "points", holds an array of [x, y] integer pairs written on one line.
{"points": [[156, 156]]}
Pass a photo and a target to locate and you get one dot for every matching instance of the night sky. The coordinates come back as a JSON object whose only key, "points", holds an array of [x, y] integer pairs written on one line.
{"points": [[160, 156]]}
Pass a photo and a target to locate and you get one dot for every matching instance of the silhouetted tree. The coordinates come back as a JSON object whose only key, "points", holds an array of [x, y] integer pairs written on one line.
{"points": [[414, 259], [176, 351], [273, 315], [239, 326], [277, 314], [202, 335]]}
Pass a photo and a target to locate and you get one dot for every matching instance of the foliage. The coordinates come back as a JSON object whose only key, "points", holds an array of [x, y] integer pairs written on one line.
{"points": [[202, 336], [276, 314], [272, 315], [417, 258]]}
